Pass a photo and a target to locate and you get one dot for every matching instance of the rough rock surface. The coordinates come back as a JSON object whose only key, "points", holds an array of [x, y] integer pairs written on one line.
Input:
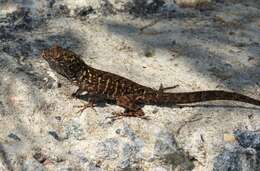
{"points": [[192, 3], [150, 42]]}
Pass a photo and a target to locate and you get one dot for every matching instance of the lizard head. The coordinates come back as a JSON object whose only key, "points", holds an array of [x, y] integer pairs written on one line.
{"points": [[64, 62]]}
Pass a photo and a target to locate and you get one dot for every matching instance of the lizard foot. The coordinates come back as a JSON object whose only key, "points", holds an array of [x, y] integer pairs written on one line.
{"points": [[84, 106], [120, 115]]}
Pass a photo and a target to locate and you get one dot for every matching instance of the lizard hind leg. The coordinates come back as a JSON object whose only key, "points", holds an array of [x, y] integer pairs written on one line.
{"points": [[162, 88], [131, 108]]}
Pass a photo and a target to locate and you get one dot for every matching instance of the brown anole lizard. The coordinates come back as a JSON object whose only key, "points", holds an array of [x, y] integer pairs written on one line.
{"points": [[126, 93]]}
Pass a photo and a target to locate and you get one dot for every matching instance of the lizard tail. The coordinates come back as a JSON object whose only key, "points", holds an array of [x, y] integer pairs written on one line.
{"points": [[199, 96]]}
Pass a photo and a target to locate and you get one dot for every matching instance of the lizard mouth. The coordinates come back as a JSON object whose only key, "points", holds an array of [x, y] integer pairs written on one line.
{"points": [[43, 55]]}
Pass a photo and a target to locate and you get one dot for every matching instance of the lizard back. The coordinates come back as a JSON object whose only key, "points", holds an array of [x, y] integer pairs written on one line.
{"points": [[89, 79]]}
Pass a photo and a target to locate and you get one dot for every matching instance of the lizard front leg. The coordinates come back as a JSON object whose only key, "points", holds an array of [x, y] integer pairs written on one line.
{"points": [[91, 101], [78, 93]]}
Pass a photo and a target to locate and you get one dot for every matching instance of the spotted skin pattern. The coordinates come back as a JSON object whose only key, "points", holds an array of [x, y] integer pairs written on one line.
{"points": [[126, 93]]}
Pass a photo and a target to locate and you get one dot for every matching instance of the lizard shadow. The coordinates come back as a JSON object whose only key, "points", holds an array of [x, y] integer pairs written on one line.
{"points": [[98, 100], [216, 106], [102, 102]]}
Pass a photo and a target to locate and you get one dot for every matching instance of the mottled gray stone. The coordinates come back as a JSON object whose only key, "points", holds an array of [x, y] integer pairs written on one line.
{"points": [[108, 149], [236, 160], [32, 165], [248, 139], [228, 161], [245, 156], [73, 129], [165, 144], [166, 149]]}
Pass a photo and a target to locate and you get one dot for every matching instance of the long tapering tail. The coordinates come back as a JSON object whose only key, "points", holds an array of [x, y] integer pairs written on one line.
{"points": [[197, 96]]}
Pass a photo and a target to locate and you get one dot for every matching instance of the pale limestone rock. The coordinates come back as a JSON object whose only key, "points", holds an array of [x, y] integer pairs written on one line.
{"points": [[40, 128]]}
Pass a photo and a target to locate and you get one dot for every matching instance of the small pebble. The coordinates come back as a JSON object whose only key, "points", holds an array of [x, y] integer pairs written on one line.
{"points": [[155, 110], [13, 136], [149, 52], [58, 118], [39, 157], [118, 131], [229, 138], [54, 135]]}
